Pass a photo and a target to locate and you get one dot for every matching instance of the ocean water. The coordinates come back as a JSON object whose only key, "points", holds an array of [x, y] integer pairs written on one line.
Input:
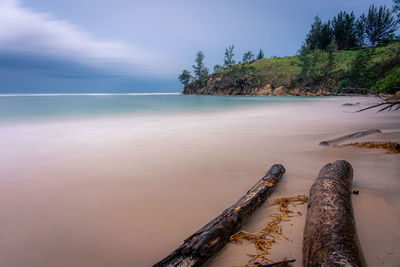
{"points": [[21, 107], [122, 180]]}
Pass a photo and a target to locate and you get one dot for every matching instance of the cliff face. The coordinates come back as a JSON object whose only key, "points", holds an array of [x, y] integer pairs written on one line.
{"points": [[216, 85]]}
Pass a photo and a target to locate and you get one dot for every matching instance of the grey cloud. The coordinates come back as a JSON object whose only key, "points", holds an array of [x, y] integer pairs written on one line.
{"points": [[27, 31]]}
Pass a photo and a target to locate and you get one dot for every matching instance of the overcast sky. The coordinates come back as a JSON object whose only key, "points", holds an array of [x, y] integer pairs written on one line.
{"points": [[129, 45]]}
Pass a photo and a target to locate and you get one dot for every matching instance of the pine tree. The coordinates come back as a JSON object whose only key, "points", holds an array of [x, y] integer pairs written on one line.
{"points": [[185, 77], [247, 57], [313, 64], [228, 59], [396, 9], [218, 68], [359, 67], [330, 63], [380, 24], [260, 54], [199, 69], [304, 58], [344, 30], [326, 36], [314, 35], [320, 35], [360, 31]]}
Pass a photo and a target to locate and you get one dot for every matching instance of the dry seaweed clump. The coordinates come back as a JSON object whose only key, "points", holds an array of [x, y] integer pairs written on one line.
{"points": [[390, 147], [264, 238]]}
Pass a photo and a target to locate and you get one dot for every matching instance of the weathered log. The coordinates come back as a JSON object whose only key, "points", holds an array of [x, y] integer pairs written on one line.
{"points": [[278, 264], [348, 137], [207, 241], [330, 235]]}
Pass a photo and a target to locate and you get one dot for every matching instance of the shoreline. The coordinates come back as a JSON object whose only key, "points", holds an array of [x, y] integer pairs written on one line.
{"points": [[284, 91]]}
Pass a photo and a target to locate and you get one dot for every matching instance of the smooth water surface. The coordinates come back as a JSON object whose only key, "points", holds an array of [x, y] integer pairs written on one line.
{"points": [[70, 106]]}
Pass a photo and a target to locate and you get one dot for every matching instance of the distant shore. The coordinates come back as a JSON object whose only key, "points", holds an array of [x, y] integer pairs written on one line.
{"points": [[293, 75], [268, 90]]}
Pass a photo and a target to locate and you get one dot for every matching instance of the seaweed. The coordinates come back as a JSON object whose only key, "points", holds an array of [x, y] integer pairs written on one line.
{"points": [[264, 238], [390, 147]]}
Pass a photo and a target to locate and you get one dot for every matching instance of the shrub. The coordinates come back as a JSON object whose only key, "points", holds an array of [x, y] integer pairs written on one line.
{"points": [[390, 84]]}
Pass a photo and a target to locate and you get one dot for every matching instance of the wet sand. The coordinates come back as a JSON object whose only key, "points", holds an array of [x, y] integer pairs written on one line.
{"points": [[126, 191]]}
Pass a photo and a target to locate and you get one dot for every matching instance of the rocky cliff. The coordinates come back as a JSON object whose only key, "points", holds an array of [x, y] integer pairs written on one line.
{"points": [[215, 85]]}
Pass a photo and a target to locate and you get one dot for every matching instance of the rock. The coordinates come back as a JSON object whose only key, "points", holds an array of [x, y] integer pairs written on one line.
{"points": [[309, 94], [282, 90], [269, 89], [350, 104], [266, 90], [296, 92], [395, 97]]}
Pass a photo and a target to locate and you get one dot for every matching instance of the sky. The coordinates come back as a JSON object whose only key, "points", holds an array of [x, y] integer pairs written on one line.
{"points": [[142, 46]]}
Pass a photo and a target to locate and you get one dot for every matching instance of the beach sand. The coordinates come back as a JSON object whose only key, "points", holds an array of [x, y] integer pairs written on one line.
{"points": [[126, 191]]}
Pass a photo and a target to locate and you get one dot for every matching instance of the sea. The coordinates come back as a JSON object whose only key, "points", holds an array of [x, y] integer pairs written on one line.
{"points": [[25, 107]]}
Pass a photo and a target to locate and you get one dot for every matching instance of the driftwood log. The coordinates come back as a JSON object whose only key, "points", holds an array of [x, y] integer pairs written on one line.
{"points": [[278, 264], [330, 236], [203, 244], [348, 137]]}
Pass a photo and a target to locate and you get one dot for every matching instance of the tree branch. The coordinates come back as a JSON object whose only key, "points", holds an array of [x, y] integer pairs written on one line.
{"points": [[387, 105]]}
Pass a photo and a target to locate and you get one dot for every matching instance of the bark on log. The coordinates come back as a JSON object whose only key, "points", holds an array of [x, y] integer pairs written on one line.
{"points": [[348, 137], [278, 264], [207, 241], [330, 235]]}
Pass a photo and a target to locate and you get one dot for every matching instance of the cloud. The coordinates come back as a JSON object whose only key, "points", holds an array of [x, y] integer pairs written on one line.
{"points": [[23, 30]]}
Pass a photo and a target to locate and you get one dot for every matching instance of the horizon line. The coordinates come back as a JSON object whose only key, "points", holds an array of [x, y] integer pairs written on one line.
{"points": [[85, 94]]}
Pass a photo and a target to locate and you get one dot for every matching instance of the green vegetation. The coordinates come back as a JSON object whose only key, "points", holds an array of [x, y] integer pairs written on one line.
{"points": [[228, 60], [247, 57], [218, 68], [199, 69], [376, 27], [185, 77], [345, 31], [260, 54], [241, 76], [320, 35], [342, 53], [278, 71], [396, 8], [380, 24], [376, 69]]}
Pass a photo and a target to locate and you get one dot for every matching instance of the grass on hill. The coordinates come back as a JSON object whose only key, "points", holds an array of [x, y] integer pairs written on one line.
{"points": [[280, 71]]}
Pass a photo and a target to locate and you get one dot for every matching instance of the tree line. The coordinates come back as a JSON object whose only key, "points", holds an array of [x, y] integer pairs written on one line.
{"points": [[200, 71], [347, 32], [375, 27]]}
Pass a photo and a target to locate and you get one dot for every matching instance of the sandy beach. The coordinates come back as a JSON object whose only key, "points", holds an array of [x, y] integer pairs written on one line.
{"points": [[127, 190]]}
